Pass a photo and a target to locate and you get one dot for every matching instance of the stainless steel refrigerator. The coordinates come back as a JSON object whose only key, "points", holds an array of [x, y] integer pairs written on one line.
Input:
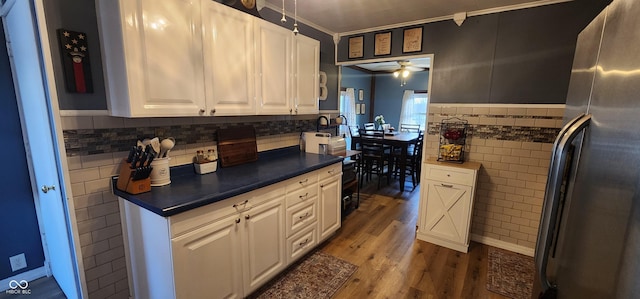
{"points": [[589, 238]]}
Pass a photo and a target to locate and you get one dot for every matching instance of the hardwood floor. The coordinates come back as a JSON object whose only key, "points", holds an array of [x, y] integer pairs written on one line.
{"points": [[379, 238]]}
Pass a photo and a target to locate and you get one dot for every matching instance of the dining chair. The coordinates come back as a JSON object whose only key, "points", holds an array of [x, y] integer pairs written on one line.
{"points": [[375, 158], [412, 128], [413, 161]]}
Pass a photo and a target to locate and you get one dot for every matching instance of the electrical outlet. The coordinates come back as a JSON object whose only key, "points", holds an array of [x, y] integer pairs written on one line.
{"points": [[18, 262]]}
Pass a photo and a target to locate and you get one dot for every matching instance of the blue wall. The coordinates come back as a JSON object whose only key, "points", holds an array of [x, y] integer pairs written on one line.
{"points": [[359, 80], [389, 93], [18, 225]]}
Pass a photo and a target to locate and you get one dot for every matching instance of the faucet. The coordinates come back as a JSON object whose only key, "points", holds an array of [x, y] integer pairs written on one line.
{"points": [[345, 119], [318, 122]]}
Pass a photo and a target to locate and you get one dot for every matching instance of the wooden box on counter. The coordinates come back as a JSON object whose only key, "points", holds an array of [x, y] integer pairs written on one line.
{"points": [[126, 182]]}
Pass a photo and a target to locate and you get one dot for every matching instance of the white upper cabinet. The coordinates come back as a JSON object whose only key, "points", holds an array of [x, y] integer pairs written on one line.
{"points": [[228, 60], [152, 54], [274, 60], [307, 69], [200, 57]]}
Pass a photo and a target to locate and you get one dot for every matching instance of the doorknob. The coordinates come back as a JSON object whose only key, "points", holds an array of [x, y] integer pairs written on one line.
{"points": [[46, 189]]}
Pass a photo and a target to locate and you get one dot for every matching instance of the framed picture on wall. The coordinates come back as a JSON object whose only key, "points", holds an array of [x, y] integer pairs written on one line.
{"points": [[412, 40], [356, 46], [382, 44], [362, 109], [358, 108], [361, 94]]}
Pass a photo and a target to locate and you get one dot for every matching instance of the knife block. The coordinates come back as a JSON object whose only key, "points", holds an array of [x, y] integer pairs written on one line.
{"points": [[126, 182]]}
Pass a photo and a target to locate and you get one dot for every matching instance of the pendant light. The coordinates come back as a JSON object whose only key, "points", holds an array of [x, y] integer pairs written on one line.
{"points": [[284, 16], [295, 17]]}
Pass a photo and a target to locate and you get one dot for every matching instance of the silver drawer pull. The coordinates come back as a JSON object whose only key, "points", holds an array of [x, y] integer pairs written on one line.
{"points": [[446, 186], [304, 216], [304, 196], [244, 203]]}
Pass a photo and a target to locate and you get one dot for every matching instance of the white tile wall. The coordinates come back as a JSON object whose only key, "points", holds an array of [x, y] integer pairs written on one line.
{"points": [[513, 176], [96, 208]]}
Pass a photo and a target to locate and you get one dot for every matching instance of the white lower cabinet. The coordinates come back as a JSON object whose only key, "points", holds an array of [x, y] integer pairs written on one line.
{"points": [[330, 190], [230, 248], [446, 204], [207, 261], [263, 243]]}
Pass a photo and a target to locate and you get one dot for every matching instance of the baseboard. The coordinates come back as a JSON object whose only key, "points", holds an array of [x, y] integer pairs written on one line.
{"points": [[503, 245], [30, 275]]}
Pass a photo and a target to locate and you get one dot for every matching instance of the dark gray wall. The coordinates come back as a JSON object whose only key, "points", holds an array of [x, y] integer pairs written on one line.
{"points": [[521, 56], [79, 16], [356, 79]]}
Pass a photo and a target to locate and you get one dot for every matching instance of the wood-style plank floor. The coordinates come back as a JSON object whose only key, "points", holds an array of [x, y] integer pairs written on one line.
{"points": [[379, 238]]}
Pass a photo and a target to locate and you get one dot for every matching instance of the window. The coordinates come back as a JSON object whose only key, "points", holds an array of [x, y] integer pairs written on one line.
{"points": [[414, 108]]}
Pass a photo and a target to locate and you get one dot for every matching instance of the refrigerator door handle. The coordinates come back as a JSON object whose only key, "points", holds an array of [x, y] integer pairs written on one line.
{"points": [[552, 193]]}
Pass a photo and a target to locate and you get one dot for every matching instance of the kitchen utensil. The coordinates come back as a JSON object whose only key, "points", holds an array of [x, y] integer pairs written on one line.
{"points": [[155, 145], [165, 146]]}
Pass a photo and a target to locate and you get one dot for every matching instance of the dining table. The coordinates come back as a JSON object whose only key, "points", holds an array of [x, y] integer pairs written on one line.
{"points": [[397, 140]]}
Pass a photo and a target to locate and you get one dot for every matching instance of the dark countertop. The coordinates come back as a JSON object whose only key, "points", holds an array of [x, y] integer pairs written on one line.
{"points": [[189, 190]]}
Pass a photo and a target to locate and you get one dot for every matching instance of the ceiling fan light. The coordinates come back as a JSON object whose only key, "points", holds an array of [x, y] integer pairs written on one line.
{"points": [[405, 74], [396, 74]]}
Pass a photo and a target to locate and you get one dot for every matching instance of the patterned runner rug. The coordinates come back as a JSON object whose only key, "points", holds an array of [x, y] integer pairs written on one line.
{"points": [[510, 274], [319, 275]]}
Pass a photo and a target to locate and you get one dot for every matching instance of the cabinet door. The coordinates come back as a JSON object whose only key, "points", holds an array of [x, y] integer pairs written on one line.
{"points": [[329, 197], [207, 261], [447, 209], [228, 60], [273, 61], [307, 85], [263, 243], [152, 56]]}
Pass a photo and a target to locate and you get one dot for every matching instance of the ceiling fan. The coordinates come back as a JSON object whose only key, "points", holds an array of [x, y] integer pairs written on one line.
{"points": [[406, 67]]}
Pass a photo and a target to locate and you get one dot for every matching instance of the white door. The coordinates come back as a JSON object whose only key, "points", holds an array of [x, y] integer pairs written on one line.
{"points": [[263, 243], [307, 55], [273, 60], [229, 60], [447, 211], [207, 261], [330, 201], [25, 60]]}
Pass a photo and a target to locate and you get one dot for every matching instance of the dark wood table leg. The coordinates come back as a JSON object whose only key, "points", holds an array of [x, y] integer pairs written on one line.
{"points": [[403, 165]]}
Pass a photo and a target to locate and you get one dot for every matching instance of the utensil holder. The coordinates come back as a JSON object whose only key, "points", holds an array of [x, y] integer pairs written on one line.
{"points": [[161, 173], [126, 182]]}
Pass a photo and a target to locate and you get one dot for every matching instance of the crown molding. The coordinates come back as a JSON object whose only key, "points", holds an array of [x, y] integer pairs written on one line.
{"points": [[451, 17], [302, 20]]}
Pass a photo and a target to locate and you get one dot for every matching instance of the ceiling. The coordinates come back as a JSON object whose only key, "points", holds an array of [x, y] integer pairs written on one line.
{"points": [[346, 16], [416, 64]]}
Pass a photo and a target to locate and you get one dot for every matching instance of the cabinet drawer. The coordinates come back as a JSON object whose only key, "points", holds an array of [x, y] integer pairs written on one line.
{"points": [[301, 243], [302, 181], [450, 175], [301, 216], [329, 171], [302, 195]]}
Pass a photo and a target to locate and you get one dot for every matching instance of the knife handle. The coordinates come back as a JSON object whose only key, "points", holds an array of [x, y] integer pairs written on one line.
{"points": [[150, 158], [134, 161], [132, 152]]}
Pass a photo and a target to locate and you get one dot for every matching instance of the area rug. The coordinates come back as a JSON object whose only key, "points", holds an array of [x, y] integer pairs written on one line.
{"points": [[510, 274], [319, 275]]}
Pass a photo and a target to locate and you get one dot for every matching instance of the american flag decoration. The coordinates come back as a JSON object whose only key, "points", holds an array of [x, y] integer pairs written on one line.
{"points": [[75, 59]]}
